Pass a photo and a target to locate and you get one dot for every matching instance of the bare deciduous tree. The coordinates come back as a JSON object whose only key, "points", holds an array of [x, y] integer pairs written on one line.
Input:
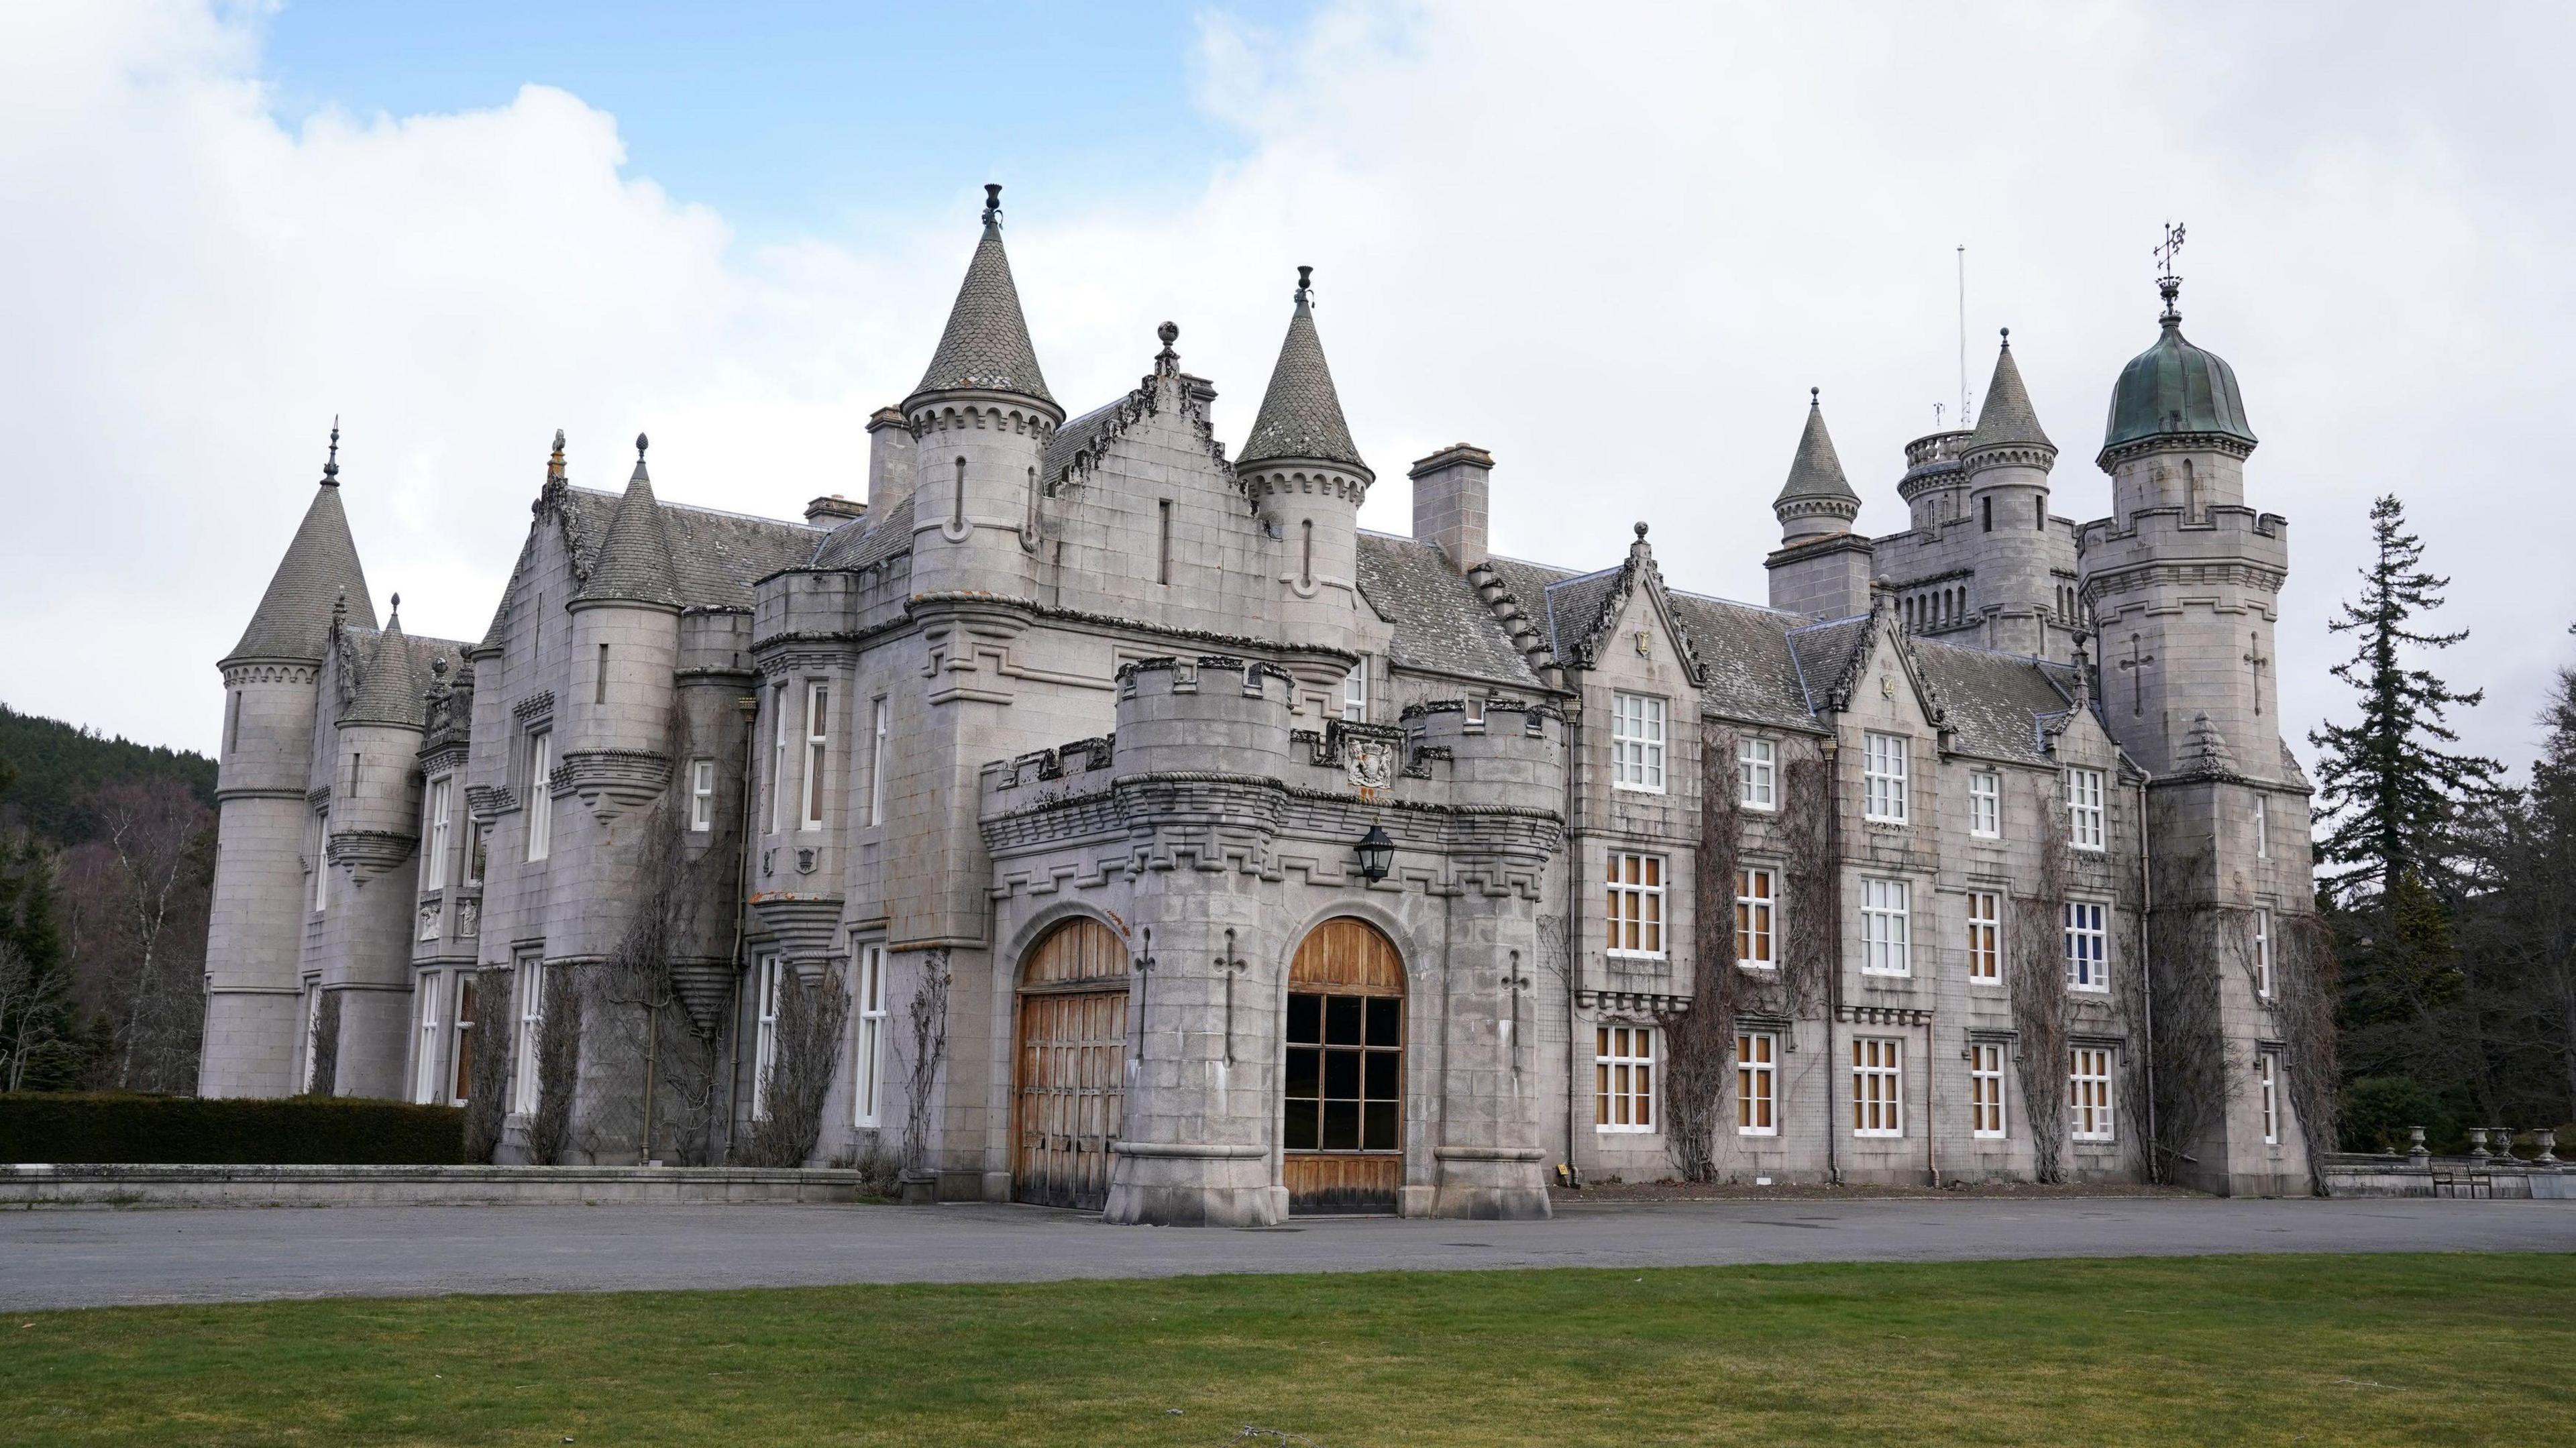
{"points": [[807, 1049]]}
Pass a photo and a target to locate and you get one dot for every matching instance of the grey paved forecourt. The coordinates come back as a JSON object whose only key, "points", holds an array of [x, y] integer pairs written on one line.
{"points": [[93, 1258]]}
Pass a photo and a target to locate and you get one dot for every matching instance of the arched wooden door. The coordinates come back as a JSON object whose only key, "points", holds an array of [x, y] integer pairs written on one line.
{"points": [[1071, 1074], [1342, 1119]]}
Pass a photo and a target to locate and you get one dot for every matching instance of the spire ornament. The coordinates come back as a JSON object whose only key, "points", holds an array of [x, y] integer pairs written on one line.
{"points": [[993, 203], [331, 464], [1305, 286], [2168, 285]]}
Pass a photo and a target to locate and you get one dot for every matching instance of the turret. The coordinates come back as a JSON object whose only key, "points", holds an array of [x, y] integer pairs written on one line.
{"points": [[263, 887], [1822, 568], [373, 854], [980, 421], [2007, 460], [1305, 477]]}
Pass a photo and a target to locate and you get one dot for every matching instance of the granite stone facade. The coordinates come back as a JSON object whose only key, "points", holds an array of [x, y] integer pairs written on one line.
{"points": [[1062, 749]]}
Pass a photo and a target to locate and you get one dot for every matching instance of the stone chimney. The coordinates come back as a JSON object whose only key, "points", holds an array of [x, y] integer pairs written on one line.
{"points": [[1449, 502], [833, 510], [889, 459]]}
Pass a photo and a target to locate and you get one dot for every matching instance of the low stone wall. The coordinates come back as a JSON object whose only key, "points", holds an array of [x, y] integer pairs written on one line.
{"points": [[315, 1186], [2357, 1174]]}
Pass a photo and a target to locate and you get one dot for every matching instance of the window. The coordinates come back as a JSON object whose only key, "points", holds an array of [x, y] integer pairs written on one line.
{"points": [[1345, 1088], [1878, 1087], [764, 1051], [2084, 808], [818, 744], [1637, 743], [530, 983], [1757, 774], [2262, 827], [1757, 1084], [477, 843], [1163, 547], [1885, 927], [1985, 937], [1623, 1078], [1883, 778], [1636, 904], [317, 845], [433, 870], [1355, 693], [869, 1047], [2263, 954], [2087, 964], [461, 1079], [2267, 1081], [1986, 1090], [1985, 804], [777, 757], [1756, 895], [424, 1067], [232, 722], [541, 802], [304, 1036], [2088, 1093], [1986, 513], [702, 795], [877, 769], [599, 686]]}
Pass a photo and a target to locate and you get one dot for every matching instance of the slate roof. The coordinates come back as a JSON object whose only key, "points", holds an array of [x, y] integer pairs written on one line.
{"points": [[1440, 623], [393, 674], [1752, 668], [986, 345], [293, 620], [1074, 436], [862, 542], [1999, 705], [1301, 414], [2006, 417], [1816, 472], [715, 556], [634, 563]]}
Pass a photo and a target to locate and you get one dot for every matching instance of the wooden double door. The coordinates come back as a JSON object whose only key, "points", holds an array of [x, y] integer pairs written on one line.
{"points": [[1342, 1107], [1070, 1082]]}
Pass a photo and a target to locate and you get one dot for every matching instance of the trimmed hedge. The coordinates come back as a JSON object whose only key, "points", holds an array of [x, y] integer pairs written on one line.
{"points": [[84, 1127]]}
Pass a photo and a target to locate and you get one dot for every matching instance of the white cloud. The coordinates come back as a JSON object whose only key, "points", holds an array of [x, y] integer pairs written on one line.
{"points": [[1615, 246]]}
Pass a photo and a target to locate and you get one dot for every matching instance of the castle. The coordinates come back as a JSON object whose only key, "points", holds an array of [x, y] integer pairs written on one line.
{"points": [[1180, 851]]}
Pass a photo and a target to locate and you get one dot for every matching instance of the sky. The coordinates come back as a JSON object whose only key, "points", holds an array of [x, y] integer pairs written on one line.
{"points": [[1613, 245]]}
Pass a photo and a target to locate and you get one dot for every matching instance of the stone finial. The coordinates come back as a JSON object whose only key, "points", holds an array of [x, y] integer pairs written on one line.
{"points": [[992, 203], [331, 464], [641, 442], [1305, 285]]}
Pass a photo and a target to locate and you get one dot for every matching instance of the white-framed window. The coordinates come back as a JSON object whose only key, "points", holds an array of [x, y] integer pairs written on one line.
{"points": [[2262, 827], [867, 1047], [1985, 804], [1757, 1083], [770, 977], [425, 1074], [1986, 937], [478, 842], [702, 796], [2088, 963], [2267, 1082], [311, 1016], [2088, 1093], [317, 849], [541, 800], [818, 749], [1757, 773], [433, 844], [1886, 927], [877, 771], [778, 758], [1637, 743], [2263, 953], [529, 985], [1475, 715], [1757, 894], [1355, 693], [460, 1076], [1623, 1078], [1882, 772], [1635, 905], [1877, 1086], [2084, 808], [1986, 1090]]}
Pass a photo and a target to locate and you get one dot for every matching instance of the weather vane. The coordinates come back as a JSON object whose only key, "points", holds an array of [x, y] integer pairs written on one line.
{"points": [[2167, 283]]}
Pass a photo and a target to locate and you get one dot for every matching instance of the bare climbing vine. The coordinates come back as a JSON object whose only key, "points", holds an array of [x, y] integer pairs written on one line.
{"points": [[2304, 990], [2038, 988], [811, 1015], [927, 1015], [487, 1086], [324, 1080], [558, 1068], [1699, 1040]]}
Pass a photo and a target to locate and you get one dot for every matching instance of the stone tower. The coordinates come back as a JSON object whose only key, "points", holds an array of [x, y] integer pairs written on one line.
{"points": [[1306, 479], [373, 856], [1822, 568], [263, 888], [2007, 460], [2183, 580]]}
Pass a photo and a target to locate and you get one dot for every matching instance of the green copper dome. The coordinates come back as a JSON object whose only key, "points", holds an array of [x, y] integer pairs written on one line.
{"points": [[2175, 387]]}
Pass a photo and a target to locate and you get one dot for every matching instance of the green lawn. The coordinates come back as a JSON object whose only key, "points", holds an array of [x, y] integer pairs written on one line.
{"points": [[2396, 1350]]}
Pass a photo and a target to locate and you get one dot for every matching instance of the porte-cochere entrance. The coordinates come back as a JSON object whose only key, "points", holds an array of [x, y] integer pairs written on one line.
{"points": [[1342, 1122], [1071, 1072]]}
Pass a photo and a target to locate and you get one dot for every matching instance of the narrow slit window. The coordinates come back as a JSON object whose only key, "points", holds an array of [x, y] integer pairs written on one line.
{"points": [[599, 686], [1163, 543], [541, 801], [818, 744], [877, 768], [777, 757], [957, 514], [1306, 559]]}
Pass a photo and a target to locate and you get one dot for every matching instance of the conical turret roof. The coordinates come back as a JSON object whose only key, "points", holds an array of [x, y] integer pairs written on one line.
{"points": [[634, 562], [1301, 414], [1817, 471], [388, 691], [2007, 419], [293, 620], [986, 347]]}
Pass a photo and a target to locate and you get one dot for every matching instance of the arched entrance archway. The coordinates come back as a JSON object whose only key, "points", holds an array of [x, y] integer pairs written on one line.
{"points": [[1070, 1077], [1342, 1117]]}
